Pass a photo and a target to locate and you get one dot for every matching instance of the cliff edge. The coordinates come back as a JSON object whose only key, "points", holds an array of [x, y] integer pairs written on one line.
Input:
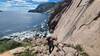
{"points": [[79, 24]]}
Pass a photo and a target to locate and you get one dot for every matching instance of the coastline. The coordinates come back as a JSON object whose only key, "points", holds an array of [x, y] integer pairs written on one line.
{"points": [[20, 36]]}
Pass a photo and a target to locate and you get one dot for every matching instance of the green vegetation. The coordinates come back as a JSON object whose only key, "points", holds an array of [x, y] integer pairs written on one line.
{"points": [[78, 48], [7, 44], [84, 54], [26, 53], [43, 7]]}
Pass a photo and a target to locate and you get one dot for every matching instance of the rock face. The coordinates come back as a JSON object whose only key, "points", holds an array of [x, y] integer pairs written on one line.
{"points": [[80, 24], [43, 7]]}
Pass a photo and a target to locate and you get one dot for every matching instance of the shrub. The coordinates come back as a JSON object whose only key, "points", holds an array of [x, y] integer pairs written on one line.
{"points": [[26, 53], [84, 54], [78, 48], [8, 45]]}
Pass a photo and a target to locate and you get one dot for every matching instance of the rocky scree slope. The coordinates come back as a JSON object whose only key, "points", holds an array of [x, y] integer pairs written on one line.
{"points": [[78, 24]]}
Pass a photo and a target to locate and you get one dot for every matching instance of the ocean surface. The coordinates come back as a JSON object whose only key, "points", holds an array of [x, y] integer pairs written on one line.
{"points": [[12, 22]]}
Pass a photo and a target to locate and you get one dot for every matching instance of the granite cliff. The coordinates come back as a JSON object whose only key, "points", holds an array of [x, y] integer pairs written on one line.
{"points": [[78, 24]]}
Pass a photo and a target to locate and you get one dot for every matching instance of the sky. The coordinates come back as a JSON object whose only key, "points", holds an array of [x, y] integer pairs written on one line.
{"points": [[21, 5]]}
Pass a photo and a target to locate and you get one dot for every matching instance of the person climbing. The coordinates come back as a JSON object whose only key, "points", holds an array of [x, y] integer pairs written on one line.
{"points": [[51, 43]]}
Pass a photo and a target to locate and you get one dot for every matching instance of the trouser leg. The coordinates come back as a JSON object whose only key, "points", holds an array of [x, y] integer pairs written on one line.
{"points": [[50, 49]]}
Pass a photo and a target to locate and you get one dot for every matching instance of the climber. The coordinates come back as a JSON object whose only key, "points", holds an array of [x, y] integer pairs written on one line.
{"points": [[51, 43]]}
